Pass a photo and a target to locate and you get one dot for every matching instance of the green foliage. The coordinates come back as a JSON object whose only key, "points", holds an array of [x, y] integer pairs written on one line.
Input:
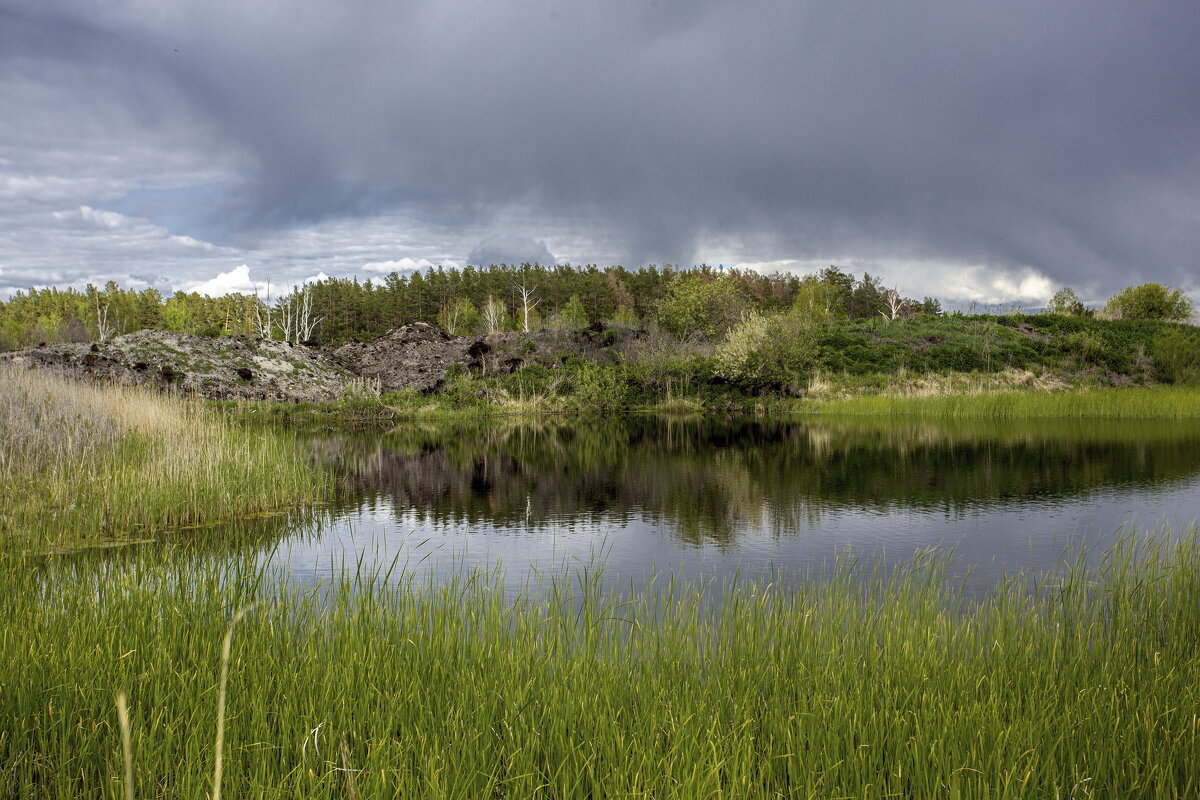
{"points": [[1150, 301], [359, 394], [817, 301], [1089, 345], [599, 389], [572, 316], [868, 300], [1177, 356], [697, 306], [625, 317], [1065, 301], [840, 285], [459, 317], [929, 305], [768, 350], [56, 315]]}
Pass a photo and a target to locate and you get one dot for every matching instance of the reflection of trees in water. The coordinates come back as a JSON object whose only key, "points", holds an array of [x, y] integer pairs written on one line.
{"points": [[708, 479]]}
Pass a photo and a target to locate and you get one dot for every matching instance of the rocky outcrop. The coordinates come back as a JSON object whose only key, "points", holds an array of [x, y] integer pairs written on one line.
{"points": [[222, 368], [415, 357], [420, 356]]}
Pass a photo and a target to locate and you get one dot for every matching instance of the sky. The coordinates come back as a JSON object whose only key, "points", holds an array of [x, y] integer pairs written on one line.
{"points": [[984, 152]]}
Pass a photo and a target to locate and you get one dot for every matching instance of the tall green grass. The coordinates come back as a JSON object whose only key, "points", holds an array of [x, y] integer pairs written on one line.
{"points": [[83, 464], [1161, 402], [863, 684]]}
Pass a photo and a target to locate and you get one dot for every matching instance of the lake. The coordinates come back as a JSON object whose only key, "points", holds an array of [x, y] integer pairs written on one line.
{"points": [[701, 497]]}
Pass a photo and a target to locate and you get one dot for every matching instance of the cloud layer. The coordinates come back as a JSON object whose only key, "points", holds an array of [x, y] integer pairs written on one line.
{"points": [[1002, 146]]}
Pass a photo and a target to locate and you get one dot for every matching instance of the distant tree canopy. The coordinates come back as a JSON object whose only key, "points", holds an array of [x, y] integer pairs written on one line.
{"points": [[1065, 301], [704, 301], [1149, 301]]}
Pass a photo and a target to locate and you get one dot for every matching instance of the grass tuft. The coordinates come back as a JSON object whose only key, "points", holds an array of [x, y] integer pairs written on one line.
{"points": [[1162, 402], [84, 465], [865, 683]]}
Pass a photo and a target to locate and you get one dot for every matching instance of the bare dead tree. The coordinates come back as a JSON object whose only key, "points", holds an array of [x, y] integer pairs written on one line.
{"points": [[296, 321], [287, 320], [262, 314], [263, 321], [493, 314], [450, 316], [103, 329], [897, 305], [305, 322], [529, 302]]}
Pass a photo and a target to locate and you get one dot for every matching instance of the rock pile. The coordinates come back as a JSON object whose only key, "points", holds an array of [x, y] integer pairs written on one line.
{"points": [[221, 369], [415, 357]]}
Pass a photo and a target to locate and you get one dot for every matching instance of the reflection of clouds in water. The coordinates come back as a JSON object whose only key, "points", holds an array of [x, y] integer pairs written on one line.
{"points": [[989, 541], [720, 492]]}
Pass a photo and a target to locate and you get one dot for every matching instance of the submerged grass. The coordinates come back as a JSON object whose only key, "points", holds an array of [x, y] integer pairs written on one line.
{"points": [[1159, 402], [84, 465], [865, 683]]}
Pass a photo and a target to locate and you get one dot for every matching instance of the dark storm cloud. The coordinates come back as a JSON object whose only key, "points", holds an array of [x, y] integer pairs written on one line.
{"points": [[1060, 136], [507, 249]]}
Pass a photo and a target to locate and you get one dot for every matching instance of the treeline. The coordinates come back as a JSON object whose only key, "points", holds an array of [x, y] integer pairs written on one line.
{"points": [[689, 303]]}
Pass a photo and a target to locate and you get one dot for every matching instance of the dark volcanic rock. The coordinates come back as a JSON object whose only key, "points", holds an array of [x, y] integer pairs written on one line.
{"points": [[420, 355], [415, 356], [209, 367]]}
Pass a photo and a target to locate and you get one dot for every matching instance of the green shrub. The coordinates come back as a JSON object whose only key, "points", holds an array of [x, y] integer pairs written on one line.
{"points": [[529, 380], [1176, 358], [768, 350], [695, 306], [600, 389], [1089, 346], [1149, 301]]}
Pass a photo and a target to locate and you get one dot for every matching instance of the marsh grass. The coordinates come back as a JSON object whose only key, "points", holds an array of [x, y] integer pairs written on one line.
{"points": [[862, 683], [86, 465], [1160, 402]]}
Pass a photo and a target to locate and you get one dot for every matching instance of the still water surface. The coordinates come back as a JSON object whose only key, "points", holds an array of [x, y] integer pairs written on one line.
{"points": [[706, 497]]}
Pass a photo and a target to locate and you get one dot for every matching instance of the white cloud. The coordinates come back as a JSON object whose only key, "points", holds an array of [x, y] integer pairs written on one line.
{"points": [[320, 276], [86, 217], [235, 280], [955, 282]]}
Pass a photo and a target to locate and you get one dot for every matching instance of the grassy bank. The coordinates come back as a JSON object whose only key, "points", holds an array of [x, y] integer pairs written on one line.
{"points": [[932, 396], [85, 465], [1158, 402], [857, 685]]}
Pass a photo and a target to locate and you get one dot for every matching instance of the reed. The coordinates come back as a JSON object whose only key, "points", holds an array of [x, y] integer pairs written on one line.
{"points": [[88, 465], [1160, 402], [862, 683]]}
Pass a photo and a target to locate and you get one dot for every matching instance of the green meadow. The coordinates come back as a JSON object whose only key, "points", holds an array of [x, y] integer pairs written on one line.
{"points": [[861, 683]]}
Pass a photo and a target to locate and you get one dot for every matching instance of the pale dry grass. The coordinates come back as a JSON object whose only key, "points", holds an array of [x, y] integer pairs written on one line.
{"points": [[906, 384], [942, 385], [80, 461], [49, 416]]}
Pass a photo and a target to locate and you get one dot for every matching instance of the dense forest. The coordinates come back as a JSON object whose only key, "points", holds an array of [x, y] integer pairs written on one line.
{"points": [[695, 302]]}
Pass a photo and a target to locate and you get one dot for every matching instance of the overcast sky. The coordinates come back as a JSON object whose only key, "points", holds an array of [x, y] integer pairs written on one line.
{"points": [[987, 151]]}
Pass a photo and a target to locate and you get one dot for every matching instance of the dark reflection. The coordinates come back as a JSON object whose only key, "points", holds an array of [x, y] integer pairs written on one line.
{"points": [[251, 535], [711, 478]]}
